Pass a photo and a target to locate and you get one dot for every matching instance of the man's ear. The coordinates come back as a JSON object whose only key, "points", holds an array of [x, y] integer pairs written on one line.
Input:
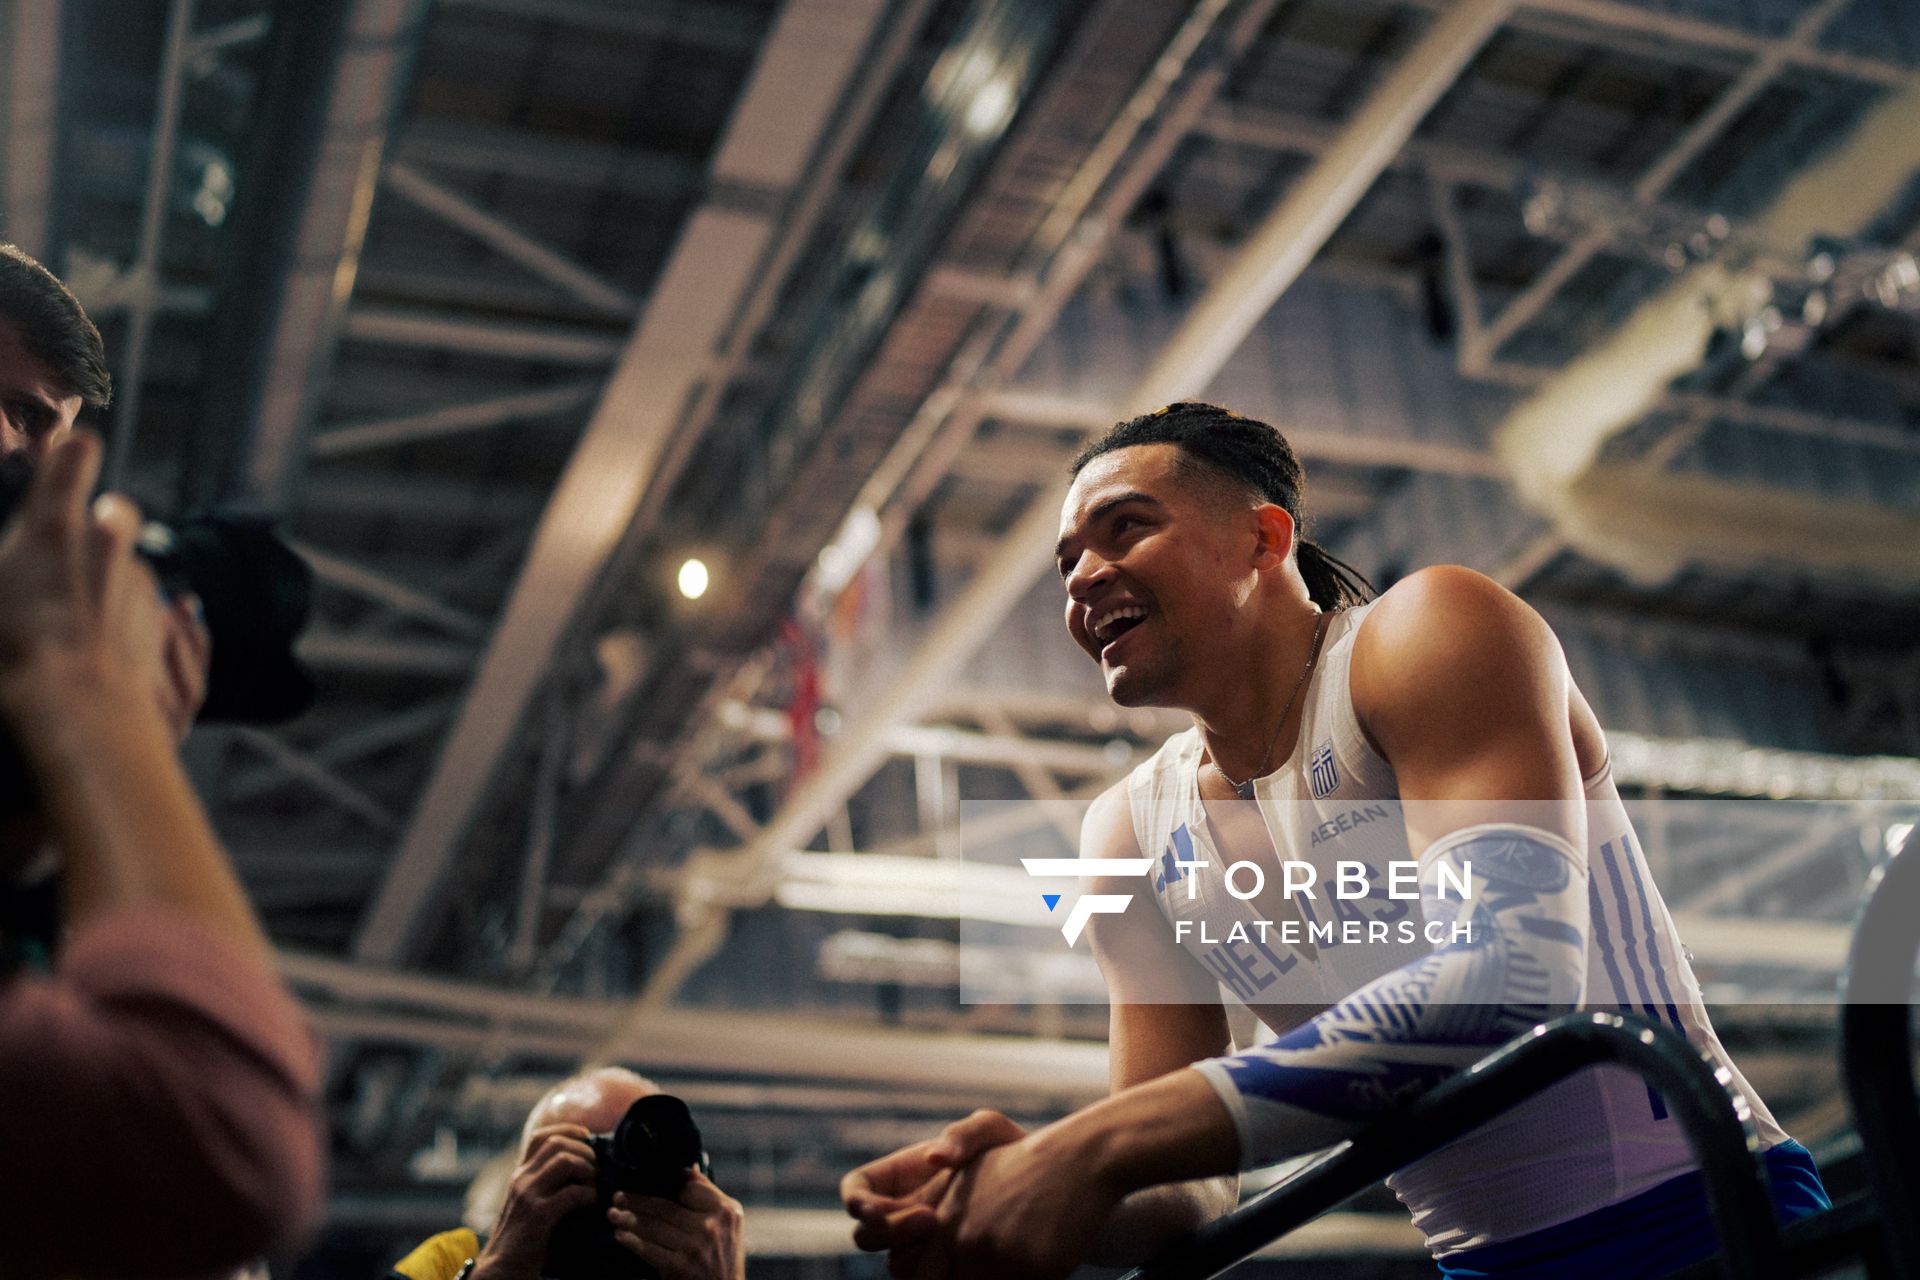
{"points": [[1275, 532]]}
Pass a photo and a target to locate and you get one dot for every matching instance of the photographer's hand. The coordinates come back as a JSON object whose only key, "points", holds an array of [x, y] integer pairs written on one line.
{"points": [[165, 1016], [555, 1177], [81, 643], [697, 1239], [187, 651]]}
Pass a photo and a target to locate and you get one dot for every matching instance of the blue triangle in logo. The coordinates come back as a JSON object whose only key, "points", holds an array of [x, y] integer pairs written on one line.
{"points": [[1051, 899]]}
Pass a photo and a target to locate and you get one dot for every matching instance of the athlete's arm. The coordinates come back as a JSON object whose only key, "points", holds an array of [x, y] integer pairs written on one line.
{"points": [[1464, 690], [1165, 1015]]}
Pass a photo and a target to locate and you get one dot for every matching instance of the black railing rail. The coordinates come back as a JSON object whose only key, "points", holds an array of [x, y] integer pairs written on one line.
{"points": [[1876, 1050], [1715, 1126]]}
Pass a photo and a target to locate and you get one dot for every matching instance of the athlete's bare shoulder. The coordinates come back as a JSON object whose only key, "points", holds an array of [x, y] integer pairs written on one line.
{"points": [[1447, 621], [1448, 658]]}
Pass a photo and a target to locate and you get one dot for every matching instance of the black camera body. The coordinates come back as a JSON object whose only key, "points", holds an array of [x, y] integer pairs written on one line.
{"points": [[651, 1152]]}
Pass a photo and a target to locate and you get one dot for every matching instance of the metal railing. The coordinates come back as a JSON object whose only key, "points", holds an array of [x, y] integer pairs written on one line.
{"points": [[1876, 1051], [1690, 1084]]}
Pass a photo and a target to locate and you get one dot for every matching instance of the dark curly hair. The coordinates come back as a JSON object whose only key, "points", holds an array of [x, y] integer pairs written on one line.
{"points": [[54, 327], [1218, 445]]}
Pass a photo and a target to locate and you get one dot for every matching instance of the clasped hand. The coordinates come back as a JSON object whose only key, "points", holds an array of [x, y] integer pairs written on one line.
{"points": [[984, 1198]]}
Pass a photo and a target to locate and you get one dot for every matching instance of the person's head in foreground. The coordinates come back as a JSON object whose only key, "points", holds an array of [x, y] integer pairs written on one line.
{"points": [[52, 363]]}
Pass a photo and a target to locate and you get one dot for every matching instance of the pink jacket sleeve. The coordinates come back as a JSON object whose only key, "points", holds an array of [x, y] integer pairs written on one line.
{"points": [[156, 1107]]}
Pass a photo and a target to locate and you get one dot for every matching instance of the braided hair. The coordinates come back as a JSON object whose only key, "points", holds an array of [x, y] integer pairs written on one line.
{"points": [[1216, 444]]}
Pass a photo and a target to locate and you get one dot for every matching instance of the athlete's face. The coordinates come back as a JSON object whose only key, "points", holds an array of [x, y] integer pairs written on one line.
{"points": [[1152, 566]]}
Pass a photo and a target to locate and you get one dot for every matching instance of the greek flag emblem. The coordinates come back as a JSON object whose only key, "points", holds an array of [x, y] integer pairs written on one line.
{"points": [[1324, 776]]}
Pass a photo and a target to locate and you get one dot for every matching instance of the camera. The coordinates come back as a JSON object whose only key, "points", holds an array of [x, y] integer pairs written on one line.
{"points": [[651, 1152], [255, 594]]}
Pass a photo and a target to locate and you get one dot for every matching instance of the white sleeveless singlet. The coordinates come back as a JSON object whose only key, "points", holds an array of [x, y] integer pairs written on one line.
{"points": [[1595, 1139]]}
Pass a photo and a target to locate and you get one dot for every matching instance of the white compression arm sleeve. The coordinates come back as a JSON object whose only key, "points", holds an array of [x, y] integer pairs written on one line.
{"points": [[1396, 1037]]}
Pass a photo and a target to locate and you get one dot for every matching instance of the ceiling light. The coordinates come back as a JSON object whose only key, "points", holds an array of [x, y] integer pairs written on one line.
{"points": [[990, 107], [694, 579]]}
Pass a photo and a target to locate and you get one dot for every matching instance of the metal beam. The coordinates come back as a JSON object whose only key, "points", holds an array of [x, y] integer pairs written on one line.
{"points": [[1084, 217], [1652, 182], [702, 25], [1009, 748], [33, 73], [1315, 444], [305, 769], [398, 596], [458, 419], [787, 105], [207, 45], [1872, 433], [332, 751], [1040, 784], [724, 1042], [542, 829], [1719, 766], [1815, 950], [414, 327], [1651, 523], [1271, 259], [543, 158], [1663, 25], [1012, 751], [145, 271], [1082, 222], [269, 862], [353, 492], [1458, 256], [344, 64], [462, 214], [341, 651], [1283, 131], [811, 202]]}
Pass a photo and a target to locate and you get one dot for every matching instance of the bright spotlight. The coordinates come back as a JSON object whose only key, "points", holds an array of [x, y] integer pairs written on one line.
{"points": [[990, 107], [694, 579]]}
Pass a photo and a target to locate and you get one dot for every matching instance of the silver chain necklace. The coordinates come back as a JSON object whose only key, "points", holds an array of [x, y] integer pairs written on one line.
{"points": [[1245, 789]]}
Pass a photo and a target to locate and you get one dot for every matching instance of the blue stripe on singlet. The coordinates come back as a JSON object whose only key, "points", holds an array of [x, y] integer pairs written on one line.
{"points": [[1655, 1103], [1653, 938], [1630, 943], [1602, 939]]}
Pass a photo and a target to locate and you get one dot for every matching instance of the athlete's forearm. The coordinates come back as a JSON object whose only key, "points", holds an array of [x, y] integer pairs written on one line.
{"points": [[1151, 1219], [1173, 1129], [1523, 963]]}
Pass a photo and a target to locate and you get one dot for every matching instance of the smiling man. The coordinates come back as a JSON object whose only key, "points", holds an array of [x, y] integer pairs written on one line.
{"points": [[1317, 711]]}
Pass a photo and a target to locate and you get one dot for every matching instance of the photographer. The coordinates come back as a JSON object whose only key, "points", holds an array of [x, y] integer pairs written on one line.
{"points": [[696, 1238], [158, 1079], [52, 367]]}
